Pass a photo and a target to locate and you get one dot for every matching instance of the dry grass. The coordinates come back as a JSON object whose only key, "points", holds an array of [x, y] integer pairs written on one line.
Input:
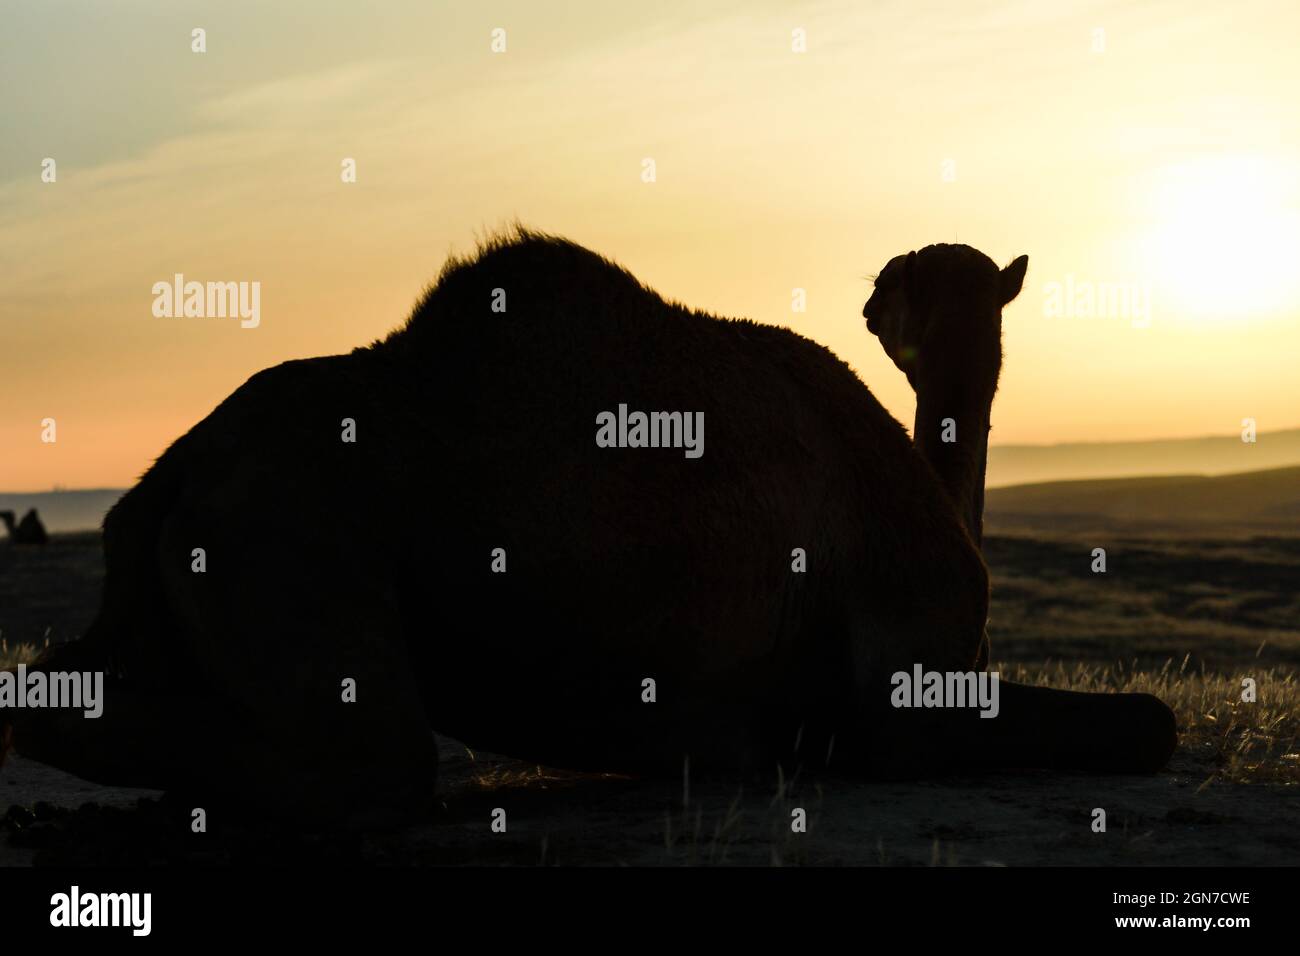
{"points": [[12, 656], [1239, 741]]}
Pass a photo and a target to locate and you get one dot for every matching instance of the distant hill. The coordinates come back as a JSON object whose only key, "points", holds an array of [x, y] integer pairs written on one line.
{"points": [[1263, 500], [64, 510], [1039, 478], [1022, 464]]}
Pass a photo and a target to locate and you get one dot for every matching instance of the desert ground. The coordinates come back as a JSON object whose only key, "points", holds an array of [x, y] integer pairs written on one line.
{"points": [[1187, 616]]}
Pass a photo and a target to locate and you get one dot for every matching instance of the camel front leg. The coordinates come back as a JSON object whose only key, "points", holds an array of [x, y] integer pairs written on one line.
{"points": [[140, 739], [1031, 728]]}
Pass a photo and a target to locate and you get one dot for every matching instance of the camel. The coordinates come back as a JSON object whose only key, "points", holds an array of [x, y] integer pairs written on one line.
{"points": [[503, 578], [28, 531]]}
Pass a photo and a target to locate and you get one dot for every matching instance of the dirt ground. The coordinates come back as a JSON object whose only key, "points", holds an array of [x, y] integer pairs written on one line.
{"points": [[556, 818]]}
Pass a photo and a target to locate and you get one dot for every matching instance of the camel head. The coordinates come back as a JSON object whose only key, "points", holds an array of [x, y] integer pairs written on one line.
{"points": [[939, 310], [7, 517]]}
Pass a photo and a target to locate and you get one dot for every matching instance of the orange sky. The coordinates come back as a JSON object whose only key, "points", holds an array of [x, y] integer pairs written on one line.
{"points": [[1152, 164]]}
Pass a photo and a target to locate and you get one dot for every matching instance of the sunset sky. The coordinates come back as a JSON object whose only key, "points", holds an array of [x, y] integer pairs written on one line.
{"points": [[1158, 158]]}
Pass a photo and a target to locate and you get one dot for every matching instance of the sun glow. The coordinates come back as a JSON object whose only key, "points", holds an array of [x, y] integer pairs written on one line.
{"points": [[1226, 244]]}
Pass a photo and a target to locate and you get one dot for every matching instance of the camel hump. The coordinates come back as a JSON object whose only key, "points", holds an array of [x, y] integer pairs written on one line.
{"points": [[524, 252], [530, 276]]}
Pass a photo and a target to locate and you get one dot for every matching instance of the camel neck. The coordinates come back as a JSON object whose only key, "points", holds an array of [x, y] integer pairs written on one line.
{"points": [[953, 437]]}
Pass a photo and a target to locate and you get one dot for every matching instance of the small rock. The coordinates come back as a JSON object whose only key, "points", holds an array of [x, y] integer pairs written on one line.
{"points": [[19, 817]]}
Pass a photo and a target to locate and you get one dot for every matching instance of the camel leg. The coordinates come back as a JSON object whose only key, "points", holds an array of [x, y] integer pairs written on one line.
{"points": [[141, 738], [133, 743], [299, 630], [233, 681], [366, 763], [1036, 727]]}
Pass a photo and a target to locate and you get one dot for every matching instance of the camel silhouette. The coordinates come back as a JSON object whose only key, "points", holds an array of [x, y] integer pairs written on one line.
{"points": [[28, 531], [502, 577]]}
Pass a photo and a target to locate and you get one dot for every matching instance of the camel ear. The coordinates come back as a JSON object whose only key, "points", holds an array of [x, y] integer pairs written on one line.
{"points": [[1012, 278]]}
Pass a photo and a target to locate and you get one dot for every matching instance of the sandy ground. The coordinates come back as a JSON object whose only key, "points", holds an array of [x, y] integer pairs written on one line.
{"points": [[558, 818], [25, 783]]}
